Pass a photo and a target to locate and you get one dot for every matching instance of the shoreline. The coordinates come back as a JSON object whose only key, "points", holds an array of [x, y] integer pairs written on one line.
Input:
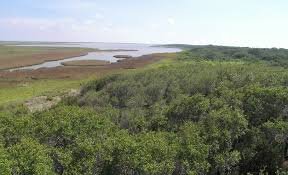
{"points": [[28, 65], [75, 72], [16, 68]]}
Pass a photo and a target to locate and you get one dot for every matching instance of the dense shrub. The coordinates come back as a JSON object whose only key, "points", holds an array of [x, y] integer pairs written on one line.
{"points": [[205, 113]]}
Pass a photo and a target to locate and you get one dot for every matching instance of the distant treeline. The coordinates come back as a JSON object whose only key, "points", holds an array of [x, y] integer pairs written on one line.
{"points": [[273, 56]]}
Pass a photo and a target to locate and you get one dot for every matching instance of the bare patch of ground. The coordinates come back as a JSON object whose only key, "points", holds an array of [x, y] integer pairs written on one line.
{"points": [[41, 103], [45, 102]]}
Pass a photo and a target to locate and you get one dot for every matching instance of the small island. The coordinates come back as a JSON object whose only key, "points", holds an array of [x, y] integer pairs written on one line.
{"points": [[86, 63], [122, 56]]}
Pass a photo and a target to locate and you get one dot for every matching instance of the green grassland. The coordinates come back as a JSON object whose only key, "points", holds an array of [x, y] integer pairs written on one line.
{"points": [[25, 90]]}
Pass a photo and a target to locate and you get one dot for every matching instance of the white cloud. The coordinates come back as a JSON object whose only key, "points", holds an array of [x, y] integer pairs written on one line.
{"points": [[89, 22], [107, 29], [171, 21], [70, 5], [99, 16], [65, 29]]}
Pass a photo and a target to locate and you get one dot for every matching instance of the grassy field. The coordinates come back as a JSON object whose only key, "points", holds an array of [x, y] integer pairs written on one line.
{"points": [[26, 90]]}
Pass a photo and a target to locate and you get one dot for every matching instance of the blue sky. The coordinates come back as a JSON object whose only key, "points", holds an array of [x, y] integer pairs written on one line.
{"points": [[256, 23]]}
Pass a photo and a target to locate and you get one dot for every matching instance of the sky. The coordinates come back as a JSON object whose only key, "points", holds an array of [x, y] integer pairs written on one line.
{"points": [[254, 23]]}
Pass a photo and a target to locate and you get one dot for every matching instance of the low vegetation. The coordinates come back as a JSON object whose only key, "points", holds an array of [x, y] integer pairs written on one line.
{"points": [[23, 90], [193, 115], [19, 56], [86, 63]]}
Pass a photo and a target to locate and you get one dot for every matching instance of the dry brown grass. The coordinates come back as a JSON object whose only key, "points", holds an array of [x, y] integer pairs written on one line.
{"points": [[19, 56], [85, 63]]}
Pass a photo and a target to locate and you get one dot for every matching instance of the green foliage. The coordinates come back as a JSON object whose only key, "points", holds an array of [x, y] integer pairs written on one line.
{"points": [[264, 104], [211, 115], [194, 152], [274, 56], [5, 162], [226, 100], [146, 153], [189, 109], [30, 158]]}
